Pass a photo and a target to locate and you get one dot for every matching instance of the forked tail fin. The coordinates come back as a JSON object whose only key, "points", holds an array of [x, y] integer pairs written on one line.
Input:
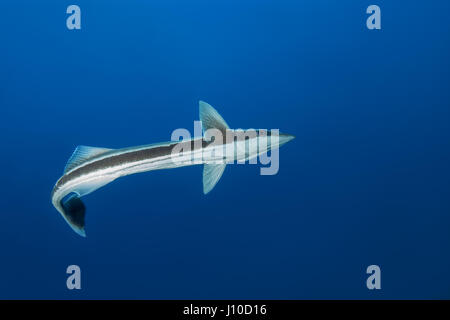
{"points": [[74, 212]]}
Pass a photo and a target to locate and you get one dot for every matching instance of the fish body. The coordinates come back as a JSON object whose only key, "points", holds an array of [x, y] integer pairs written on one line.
{"points": [[90, 168]]}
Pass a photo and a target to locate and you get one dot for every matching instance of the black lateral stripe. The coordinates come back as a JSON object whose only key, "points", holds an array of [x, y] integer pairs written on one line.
{"points": [[127, 157]]}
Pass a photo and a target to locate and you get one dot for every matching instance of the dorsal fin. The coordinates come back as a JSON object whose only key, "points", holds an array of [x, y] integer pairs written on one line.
{"points": [[82, 154], [210, 118]]}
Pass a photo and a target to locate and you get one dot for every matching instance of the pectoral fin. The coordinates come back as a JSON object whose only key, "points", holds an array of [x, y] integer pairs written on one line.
{"points": [[211, 119], [211, 175]]}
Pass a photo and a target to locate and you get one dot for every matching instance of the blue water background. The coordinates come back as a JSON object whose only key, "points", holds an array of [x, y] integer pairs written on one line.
{"points": [[366, 181]]}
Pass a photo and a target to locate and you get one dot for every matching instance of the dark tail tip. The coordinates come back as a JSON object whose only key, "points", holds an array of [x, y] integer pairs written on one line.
{"points": [[74, 211]]}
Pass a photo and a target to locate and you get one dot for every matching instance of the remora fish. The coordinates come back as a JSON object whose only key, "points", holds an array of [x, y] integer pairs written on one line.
{"points": [[90, 168]]}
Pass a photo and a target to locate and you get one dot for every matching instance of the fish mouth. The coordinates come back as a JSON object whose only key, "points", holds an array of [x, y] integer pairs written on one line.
{"points": [[285, 138]]}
